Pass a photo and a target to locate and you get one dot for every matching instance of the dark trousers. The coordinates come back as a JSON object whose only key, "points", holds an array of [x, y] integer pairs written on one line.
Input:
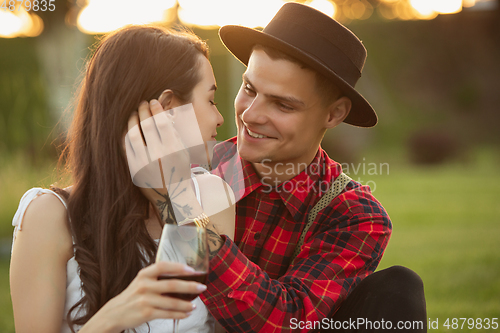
{"points": [[391, 300]]}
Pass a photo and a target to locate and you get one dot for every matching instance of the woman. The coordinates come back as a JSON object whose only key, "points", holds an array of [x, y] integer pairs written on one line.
{"points": [[105, 238]]}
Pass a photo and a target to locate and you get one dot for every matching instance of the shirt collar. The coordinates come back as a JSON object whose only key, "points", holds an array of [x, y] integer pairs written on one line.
{"points": [[238, 173], [301, 192], [297, 194]]}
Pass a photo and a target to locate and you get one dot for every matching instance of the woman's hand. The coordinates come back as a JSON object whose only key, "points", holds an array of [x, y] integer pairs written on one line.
{"points": [[156, 155], [159, 161], [142, 300]]}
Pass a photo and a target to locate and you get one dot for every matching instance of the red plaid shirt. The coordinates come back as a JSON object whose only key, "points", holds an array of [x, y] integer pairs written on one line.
{"points": [[252, 285]]}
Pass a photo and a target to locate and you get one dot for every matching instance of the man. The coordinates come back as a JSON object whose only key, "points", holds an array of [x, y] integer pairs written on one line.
{"points": [[299, 82]]}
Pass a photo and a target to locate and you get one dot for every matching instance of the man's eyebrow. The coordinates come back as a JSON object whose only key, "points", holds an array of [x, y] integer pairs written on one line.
{"points": [[288, 99], [245, 79], [214, 88]]}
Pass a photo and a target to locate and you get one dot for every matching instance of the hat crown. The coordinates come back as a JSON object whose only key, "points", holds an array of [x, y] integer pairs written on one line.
{"points": [[316, 22]]}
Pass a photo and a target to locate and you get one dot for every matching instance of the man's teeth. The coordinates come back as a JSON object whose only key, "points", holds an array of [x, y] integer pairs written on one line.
{"points": [[255, 135]]}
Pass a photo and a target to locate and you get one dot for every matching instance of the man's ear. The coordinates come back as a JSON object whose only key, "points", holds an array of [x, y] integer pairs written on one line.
{"points": [[167, 99], [338, 111]]}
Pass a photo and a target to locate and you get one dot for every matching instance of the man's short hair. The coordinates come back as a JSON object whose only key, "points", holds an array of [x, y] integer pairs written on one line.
{"points": [[328, 91]]}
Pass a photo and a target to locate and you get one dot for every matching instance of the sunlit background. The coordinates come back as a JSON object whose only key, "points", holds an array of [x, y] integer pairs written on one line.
{"points": [[432, 75], [100, 16]]}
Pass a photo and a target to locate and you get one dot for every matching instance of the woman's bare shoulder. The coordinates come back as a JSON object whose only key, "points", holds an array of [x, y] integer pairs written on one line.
{"points": [[47, 204], [45, 225]]}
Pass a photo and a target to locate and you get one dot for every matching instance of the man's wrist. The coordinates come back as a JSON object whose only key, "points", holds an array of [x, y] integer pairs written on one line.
{"points": [[215, 241]]}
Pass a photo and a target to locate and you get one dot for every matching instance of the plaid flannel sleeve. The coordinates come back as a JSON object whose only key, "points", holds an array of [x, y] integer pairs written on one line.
{"points": [[344, 245]]}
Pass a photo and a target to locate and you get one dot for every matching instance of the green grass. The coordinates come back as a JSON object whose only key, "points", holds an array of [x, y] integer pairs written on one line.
{"points": [[6, 318], [446, 228]]}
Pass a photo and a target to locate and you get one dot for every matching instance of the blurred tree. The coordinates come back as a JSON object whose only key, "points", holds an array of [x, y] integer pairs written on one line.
{"points": [[60, 50], [24, 120], [37, 81]]}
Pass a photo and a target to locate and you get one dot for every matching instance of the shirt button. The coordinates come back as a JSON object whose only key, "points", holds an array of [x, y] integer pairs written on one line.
{"points": [[256, 236]]}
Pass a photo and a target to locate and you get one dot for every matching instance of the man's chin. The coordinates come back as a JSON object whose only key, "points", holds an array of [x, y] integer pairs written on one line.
{"points": [[250, 155]]}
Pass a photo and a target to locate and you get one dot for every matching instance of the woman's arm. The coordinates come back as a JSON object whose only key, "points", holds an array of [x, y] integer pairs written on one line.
{"points": [[38, 280], [38, 267]]}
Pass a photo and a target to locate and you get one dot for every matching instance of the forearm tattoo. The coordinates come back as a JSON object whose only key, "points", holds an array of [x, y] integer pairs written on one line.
{"points": [[171, 211], [215, 242], [165, 209]]}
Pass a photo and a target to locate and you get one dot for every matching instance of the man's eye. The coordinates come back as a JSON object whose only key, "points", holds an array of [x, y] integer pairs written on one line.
{"points": [[213, 103], [285, 107], [249, 90]]}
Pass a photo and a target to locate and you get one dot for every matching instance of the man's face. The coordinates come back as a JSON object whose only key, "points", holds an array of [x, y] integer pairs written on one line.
{"points": [[279, 114]]}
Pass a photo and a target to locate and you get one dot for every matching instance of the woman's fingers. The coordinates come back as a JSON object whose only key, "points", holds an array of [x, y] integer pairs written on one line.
{"points": [[133, 120], [151, 133], [165, 124], [152, 294], [146, 298], [163, 119], [163, 286], [166, 268], [179, 286], [144, 110], [134, 145], [167, 314], [169, 303], [158, 129], [155, 107], [134, 131]]}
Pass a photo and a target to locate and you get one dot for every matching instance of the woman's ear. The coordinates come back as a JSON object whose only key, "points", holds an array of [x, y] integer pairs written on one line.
{"points": [[338, 111], [167, 99]]}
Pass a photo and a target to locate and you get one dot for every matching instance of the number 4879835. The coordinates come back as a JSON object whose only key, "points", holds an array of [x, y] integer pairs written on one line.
{"points": [[471, 323], [35, 5]]}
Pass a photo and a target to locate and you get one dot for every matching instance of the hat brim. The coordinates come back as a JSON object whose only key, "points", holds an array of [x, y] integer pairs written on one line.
{"points": [[241, 40]]}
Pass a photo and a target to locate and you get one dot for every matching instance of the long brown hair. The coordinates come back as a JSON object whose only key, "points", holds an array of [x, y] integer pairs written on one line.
{"points": [[106, 210]]}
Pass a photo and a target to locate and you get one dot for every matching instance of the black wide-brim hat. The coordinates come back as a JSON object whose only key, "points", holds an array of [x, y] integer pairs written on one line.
{"points": [[319, 42]]}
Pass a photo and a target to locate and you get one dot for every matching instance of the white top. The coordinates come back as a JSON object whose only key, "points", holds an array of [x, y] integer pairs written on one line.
{"points": [[199, 321]]}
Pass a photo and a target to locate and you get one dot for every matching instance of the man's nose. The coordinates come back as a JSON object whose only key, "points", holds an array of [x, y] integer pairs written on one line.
{"points": [[255, 112]]}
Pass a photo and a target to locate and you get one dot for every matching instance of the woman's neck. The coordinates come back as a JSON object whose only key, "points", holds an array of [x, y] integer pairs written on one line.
{"points": [[153, 224]]}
